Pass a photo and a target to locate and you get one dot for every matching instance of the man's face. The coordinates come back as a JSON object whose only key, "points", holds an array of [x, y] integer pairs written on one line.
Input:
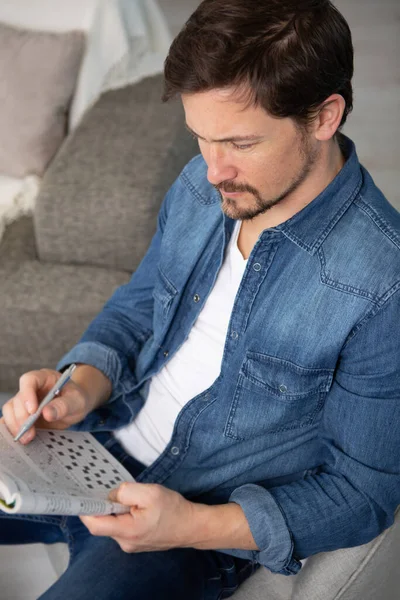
{"points": [[254, 160]]}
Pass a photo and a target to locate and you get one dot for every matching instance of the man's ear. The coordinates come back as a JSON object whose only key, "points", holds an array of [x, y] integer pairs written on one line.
{"points": [[329, 117]]}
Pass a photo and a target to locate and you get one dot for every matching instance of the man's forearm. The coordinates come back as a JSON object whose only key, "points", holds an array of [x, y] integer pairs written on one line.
{"points": [[95, 384], [222, 526]]}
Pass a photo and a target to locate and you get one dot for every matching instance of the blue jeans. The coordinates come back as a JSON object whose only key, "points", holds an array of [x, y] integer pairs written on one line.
{"points": [[99, 569]]}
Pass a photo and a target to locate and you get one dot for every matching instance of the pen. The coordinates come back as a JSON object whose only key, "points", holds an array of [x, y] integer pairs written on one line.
{"points": [[66, 376]]}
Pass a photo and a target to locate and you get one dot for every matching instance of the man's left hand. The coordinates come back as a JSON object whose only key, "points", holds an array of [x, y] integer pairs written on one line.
{"points": [[159, 518]]}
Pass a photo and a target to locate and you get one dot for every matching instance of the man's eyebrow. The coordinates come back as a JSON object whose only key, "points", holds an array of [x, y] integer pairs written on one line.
{"points": [[236, 138]]}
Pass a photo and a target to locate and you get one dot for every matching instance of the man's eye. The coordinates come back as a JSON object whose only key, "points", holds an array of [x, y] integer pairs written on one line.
{"points": [[242, 146]]}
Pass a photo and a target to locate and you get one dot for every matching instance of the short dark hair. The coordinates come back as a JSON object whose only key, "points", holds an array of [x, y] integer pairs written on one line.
{"points": [[291, 55]]}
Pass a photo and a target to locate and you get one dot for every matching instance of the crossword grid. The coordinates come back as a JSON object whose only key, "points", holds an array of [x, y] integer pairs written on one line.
{"points": [[85, 463]]}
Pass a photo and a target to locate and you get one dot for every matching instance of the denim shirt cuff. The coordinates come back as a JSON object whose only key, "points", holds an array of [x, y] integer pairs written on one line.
{"points": [[107, 361], [269, 529], [97, 355]]}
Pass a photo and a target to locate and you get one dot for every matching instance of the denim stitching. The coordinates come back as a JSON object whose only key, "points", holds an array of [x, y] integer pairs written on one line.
{"points": [[35, 518], [69, 539]]}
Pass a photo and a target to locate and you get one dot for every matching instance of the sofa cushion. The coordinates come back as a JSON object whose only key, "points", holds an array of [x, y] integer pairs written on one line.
{"points": [[100, 197], [115, 31], [38, 73], [44, 308], [368, 571]]}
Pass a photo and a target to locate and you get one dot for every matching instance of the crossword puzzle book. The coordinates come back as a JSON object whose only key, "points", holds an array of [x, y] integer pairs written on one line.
{"points": [[59, 473]]}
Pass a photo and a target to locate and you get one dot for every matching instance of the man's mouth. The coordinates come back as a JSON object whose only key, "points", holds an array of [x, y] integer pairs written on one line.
{"points": [[232, 194]]}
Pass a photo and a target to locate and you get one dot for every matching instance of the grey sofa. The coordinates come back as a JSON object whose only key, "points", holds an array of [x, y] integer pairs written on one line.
{"points": [[93, 221], [94, 218]]}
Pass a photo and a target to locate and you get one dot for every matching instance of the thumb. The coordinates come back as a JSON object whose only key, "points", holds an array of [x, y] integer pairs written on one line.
{"points": [[126, 493], [63, 406]]}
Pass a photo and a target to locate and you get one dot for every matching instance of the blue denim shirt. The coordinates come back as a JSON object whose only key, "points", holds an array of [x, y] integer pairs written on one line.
{"points": [[302, 426]]}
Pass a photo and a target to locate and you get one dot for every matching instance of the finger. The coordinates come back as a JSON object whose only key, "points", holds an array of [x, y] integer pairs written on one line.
{"points": [[68, 403], [30, 384], [130, 494], [109, 526], [113, 495], [13, 424], [33, 385], [9, 417], [20, 409], [26, 401]]}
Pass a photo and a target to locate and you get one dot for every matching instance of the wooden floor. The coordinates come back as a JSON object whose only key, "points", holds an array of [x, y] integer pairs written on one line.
{"points": [[374, 124]]}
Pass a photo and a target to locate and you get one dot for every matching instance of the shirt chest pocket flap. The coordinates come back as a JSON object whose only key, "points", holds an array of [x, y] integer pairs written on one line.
{"points": [[164, 293], [274, 395]]}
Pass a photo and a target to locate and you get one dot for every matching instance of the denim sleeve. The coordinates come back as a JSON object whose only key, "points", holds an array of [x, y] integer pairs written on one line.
{"points": [[352, 496], [116, 335]]}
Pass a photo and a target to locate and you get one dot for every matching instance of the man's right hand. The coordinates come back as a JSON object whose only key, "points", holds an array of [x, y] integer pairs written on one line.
{"points": [[69, 407]]}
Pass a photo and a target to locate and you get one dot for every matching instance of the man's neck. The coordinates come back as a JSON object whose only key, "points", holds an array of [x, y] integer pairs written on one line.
{"points": [[324, 172]]}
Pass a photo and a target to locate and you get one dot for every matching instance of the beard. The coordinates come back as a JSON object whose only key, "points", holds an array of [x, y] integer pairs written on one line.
{"points": [[261, 205]]}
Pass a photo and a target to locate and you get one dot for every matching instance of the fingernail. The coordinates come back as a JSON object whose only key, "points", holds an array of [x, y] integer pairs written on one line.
{"points": [[29, 407], [53, 412], [112, 496]]}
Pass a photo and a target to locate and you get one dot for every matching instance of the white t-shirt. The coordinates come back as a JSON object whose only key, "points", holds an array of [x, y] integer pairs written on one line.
{"points": [[193, 368]]}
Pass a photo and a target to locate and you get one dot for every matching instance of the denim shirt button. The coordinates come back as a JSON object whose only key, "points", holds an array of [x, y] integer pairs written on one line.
{"points": [[175, 450], [196, 298], [166, 353], [102, 422], [257, 267], [234, 335], [282, 388]]}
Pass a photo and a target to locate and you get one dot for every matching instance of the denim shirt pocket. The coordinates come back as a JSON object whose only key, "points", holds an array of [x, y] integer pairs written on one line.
{"points": [[274, 395], [163, 294]]}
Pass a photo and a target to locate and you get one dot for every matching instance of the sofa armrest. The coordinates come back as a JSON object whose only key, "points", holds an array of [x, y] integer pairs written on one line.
{"points": [[369, 572]]}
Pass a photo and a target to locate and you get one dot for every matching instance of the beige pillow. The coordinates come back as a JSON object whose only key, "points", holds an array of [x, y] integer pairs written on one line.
{"points": [[38, 73]]}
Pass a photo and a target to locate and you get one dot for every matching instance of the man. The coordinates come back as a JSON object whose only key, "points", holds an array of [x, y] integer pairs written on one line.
{"points": [[248, 375]]}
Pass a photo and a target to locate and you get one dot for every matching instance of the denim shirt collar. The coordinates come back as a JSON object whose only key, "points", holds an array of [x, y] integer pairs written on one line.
{"points": [[309, 227]]}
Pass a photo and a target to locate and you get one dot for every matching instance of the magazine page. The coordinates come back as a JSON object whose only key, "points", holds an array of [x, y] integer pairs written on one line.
{"points": [[59, 472]]}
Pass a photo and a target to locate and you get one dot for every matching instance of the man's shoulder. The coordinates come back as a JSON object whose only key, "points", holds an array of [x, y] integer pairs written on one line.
{"points": [[381, 213], [365, 244], [379, 219]]}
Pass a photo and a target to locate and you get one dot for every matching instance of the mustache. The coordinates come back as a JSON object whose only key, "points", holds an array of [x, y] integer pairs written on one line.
{"points": [[230, 187]]}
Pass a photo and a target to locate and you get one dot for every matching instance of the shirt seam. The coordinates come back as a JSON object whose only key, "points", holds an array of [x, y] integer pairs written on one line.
{"points": [[316, 244], [372, 313], [382, 225]]}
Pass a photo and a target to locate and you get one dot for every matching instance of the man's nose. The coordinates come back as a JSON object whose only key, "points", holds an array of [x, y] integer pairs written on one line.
{"points": [[220, 168]]}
